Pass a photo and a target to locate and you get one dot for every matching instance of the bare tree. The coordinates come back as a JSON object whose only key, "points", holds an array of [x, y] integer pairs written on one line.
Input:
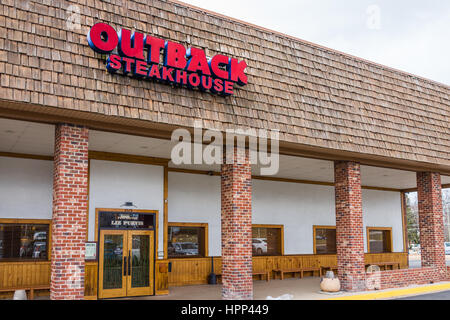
{"points": [[412, 216], [446, 209]]}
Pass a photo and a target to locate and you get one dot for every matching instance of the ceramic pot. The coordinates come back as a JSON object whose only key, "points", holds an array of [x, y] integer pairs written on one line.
{"points": [[330, 285], [20, 295]]}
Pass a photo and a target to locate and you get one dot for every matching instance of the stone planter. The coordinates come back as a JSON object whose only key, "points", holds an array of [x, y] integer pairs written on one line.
{"points": [[20, 295], [330, 283]]}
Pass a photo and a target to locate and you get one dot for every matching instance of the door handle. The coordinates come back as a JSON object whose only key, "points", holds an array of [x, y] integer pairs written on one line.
{"points": [[125, 266], [129, 263]]}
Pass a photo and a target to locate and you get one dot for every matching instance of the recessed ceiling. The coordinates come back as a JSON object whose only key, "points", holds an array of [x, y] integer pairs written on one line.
{"points": [[38, 139], [26, 137]]}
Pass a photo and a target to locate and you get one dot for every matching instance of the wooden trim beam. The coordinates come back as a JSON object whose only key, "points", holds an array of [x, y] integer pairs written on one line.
{"points": [[25, 156], [293, 181], [88, 199], [166, 211], [444, 186], [321, 183], [120, 157], [404, 222], [191, 171], [381, 189]]}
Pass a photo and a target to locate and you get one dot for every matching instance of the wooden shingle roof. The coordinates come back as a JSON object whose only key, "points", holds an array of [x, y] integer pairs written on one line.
{"points": [[315, 96]]}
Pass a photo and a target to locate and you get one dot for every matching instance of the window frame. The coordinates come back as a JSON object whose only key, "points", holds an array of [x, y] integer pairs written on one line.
{"points": [[390, 243], [272, 226], [190, 225], [314, 239], [31, 221]]}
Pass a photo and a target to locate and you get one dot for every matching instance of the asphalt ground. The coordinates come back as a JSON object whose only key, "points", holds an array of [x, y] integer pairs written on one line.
{"points": [[444, 295]]}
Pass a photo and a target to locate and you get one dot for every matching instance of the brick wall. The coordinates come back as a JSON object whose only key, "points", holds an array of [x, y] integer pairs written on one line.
{"points": [[349, 226], [431, 224], [236, 200], [431, 220], [70, 195], [408, 277], [45, 60]]}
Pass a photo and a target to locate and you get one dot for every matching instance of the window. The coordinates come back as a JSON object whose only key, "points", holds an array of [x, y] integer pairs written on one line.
{"points": [[27, 240], [187, 240], [267, 240], [324, 240], [379, 240]]}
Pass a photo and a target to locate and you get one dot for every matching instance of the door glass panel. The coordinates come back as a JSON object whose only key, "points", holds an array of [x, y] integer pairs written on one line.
{"points": [[113, 260], [140, 261]]}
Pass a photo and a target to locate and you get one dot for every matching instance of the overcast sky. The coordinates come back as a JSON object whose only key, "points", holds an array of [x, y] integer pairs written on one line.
{"points": [[410, 35]]}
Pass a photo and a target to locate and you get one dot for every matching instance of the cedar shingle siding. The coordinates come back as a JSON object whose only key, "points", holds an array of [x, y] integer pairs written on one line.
{"points": [[316, 97]]}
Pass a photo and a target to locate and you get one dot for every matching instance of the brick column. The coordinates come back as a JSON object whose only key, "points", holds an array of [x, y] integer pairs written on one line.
{"points": [[70, 195], [237, 226], [349, 226], [431, 220]]}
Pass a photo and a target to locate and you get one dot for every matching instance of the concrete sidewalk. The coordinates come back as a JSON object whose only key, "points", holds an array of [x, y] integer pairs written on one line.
{"points": [[300, 289], [397, 293]]}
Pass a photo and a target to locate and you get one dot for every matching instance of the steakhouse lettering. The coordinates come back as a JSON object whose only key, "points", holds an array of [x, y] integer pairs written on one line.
{"points": [[140, 56]]}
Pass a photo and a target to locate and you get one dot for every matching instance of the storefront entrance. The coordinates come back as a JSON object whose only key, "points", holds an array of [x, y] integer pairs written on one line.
{"points": [[126, 254], [126, 263]]}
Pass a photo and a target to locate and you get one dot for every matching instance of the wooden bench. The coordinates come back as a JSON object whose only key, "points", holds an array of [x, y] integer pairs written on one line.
{"points": [[385, 265], [261, 274], [380, 264], [329, 268], [300, 271], [26, 288]]}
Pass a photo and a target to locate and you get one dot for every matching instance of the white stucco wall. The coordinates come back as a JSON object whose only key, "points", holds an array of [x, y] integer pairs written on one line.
{"points": [[26, 187], [296, 206], [383, 209], [26, 192], [196, 199], [114, 183]]}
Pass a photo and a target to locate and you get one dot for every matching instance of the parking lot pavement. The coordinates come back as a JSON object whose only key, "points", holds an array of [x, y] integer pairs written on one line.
{"points": [[414, 261], [445, 295]]}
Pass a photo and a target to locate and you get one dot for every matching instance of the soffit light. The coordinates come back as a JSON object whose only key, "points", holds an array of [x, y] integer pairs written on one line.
{"points": [[128, 205]]}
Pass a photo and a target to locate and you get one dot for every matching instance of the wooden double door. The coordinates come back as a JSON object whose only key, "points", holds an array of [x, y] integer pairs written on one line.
{"points": [[126, 263]]}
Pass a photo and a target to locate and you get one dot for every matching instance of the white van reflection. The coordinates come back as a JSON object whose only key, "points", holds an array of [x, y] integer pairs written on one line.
{"points": [[183, 249], [259, 246]]}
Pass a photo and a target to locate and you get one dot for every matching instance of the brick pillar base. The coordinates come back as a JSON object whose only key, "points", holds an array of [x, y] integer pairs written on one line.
{"points": [[431, 220], [349, 226], [237, 227], [70, 194]]}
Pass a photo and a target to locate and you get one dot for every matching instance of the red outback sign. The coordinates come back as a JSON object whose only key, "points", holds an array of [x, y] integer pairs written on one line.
{"points": [[140, 55]]}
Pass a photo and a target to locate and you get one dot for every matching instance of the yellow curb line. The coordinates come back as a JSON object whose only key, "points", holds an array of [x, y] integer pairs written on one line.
{"points": [[396, 293]]}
